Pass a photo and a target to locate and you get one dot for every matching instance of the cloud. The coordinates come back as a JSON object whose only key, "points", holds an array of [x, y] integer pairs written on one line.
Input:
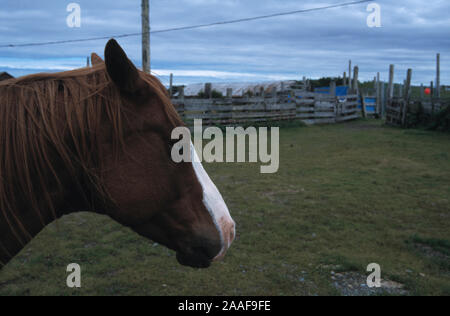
{"points": [[312, 44], [52, 64]]}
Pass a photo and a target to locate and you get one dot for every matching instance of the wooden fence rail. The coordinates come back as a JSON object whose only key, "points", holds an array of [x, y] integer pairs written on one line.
{"points": [[310, 108]]}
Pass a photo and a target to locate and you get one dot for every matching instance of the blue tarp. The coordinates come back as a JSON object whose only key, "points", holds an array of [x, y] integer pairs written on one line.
{"points": [[340, 90], [370, 104]]}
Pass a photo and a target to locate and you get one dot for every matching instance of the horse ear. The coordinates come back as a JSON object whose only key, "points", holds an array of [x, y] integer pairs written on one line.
{"points": [[121, 70], [95, 59]]}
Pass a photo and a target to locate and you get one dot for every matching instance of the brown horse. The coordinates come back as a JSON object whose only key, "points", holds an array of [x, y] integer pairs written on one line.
{"points": [[99, 138]]}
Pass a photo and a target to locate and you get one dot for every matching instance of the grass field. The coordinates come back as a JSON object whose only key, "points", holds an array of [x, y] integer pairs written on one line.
{"points": [[345, 196]]}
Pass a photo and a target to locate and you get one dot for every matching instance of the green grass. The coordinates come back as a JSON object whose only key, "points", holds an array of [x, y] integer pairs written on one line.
{"points": [[345, 196]]}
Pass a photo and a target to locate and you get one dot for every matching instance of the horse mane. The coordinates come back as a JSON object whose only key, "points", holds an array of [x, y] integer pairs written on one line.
{"points": [[51, 123]]}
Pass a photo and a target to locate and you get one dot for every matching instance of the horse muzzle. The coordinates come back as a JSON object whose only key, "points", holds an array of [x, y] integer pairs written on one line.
{"points": [[228, 233]]}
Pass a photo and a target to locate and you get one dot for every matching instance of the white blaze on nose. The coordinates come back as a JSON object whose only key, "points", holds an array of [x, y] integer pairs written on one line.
{"points": [[214, 203]]}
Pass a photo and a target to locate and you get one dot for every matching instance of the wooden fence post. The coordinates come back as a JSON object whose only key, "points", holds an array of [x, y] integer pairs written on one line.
{"points": [[378, 95], [181, 106], [355, 80], [230, 93], [407, 86], [407, 94], [262, 92], [171, 86], [431, 96], [438, 75], [390, 96], [363, 105], [350, 75], [375, 85], [208, 90], [383, 99]]}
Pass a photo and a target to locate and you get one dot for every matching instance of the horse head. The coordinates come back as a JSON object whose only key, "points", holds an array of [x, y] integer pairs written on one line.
{"points": [[99, 138], [175, 204]]}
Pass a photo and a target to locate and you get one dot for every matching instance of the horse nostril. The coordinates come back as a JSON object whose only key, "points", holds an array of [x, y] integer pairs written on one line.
{"points": [[205, 251], [232, 235]]}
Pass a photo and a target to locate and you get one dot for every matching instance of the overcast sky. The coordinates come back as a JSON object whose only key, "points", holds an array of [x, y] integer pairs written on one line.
{"points": [[313, 44]]}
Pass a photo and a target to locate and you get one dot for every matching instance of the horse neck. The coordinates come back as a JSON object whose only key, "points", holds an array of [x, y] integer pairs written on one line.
{"points": [[14, 239]]}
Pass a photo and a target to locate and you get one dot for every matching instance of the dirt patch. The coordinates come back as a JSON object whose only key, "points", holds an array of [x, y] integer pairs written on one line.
{"points": [[355, 284]]}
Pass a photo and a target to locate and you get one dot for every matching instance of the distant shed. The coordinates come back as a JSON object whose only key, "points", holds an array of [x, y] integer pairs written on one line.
{"points": [[5, 76]]}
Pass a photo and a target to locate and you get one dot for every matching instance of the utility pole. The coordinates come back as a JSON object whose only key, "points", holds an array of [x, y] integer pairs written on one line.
{"points": [[146, 36], [438, 75]]}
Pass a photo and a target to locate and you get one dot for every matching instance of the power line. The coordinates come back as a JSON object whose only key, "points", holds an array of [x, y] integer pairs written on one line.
{"points": [[192, 27]]}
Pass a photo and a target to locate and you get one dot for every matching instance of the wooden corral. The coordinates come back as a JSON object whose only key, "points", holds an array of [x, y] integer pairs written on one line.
{"points": [[293, 105], [400, 109]]}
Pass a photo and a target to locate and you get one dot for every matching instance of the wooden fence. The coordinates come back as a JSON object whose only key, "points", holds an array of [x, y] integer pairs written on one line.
{"points": [[398, 110], [395, 112], [294, 105]]}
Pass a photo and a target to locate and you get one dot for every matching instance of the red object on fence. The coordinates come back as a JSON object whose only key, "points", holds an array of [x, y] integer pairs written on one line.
{"points": [[427, 91]]}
